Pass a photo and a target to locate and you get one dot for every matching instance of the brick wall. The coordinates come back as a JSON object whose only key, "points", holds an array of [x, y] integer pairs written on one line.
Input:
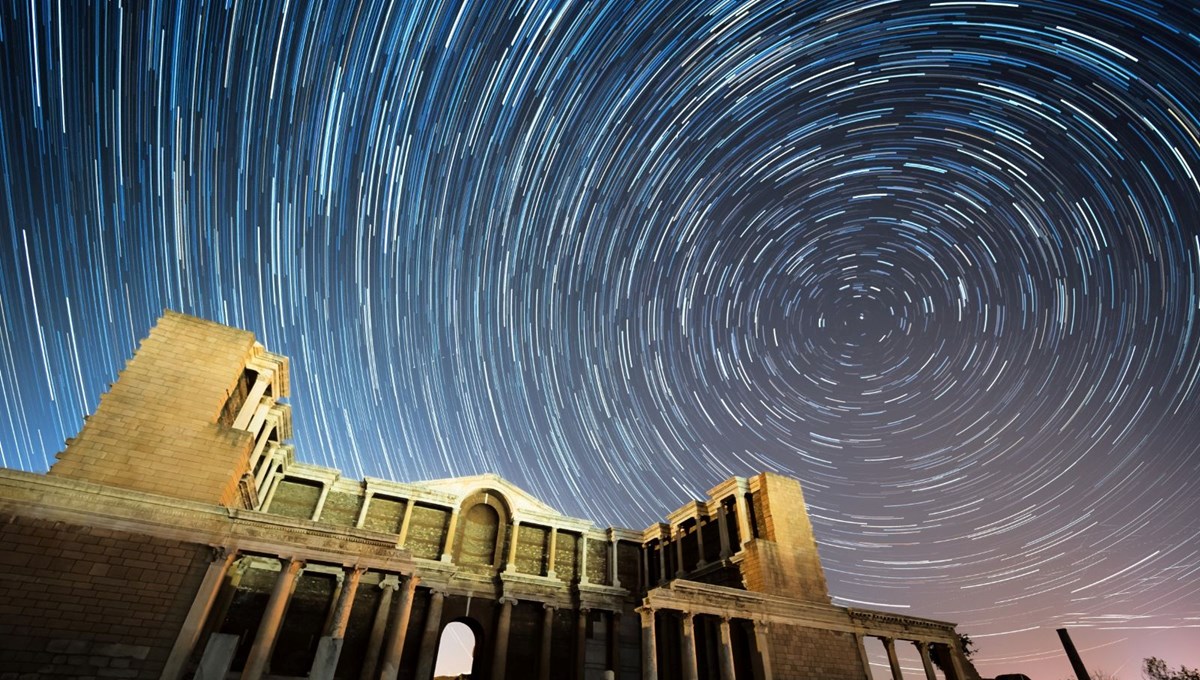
{"points": [[799, 652], [78, 601], [156, 430]]}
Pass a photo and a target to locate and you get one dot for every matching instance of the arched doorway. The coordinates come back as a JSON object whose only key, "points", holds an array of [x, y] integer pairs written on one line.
{"points": [[456, 650]]}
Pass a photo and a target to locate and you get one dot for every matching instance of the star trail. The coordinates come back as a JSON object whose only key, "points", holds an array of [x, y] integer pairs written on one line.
{"points": [[939, 260]]}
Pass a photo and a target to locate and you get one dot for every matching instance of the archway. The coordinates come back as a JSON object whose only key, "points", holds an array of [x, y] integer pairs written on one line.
{"points": [[456, 651]]}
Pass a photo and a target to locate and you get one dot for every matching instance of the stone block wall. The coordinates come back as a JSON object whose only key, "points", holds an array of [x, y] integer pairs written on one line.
{"points": [[79, 601], [157, 429], [799, 652], [784, 559]]}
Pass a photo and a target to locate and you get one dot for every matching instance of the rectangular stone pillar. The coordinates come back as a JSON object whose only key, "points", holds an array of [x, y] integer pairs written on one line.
{"points": [[202, 605], [649, 645], [217, 657], [401, 615], [862, 656], [268, 628], [324, 665]]}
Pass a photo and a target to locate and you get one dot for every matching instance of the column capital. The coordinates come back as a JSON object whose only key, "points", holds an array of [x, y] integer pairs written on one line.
{"points": [[547, 606], [411, 582], [390, 582], [585, 610], [506, 599]]}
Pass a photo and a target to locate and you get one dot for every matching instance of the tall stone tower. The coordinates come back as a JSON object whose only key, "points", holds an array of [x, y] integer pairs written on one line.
{"points": [[194, 415], [782, 559]]}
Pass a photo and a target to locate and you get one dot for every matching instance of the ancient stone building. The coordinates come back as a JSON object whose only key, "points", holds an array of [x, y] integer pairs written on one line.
{"points": [[177, 536]]}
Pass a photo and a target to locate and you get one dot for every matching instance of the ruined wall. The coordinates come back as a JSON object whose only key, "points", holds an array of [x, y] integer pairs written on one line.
{"points": [[79, 601], [156, 430], [799, 652], [783, 560]]}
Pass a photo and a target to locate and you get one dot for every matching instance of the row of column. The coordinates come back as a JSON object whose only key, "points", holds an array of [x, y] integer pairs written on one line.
{"points": [[383, 653], [676, 534], [725, 662], [923, 648]]}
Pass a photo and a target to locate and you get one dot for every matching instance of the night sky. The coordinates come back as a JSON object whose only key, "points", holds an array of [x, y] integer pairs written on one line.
{"points": [[939, 260]]}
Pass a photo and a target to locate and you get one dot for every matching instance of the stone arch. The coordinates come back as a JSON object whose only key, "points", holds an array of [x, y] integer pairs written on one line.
{"points": [[449, 659], [483, 530]]}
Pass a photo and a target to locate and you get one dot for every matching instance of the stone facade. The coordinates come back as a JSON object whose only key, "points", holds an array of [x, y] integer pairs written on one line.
{"points": [[177, 537]]}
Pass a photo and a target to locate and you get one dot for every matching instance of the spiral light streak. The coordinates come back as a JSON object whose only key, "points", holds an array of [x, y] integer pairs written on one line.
{"points": [[940, 260]]}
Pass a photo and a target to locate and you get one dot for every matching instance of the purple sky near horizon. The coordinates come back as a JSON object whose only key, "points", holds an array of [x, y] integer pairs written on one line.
{"points": [[938, 260]]}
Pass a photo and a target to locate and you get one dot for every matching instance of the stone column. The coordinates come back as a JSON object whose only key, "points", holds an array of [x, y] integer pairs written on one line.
{"points": [[889, 644], [378, 626], [344, 600], [649, 645], [429, 637], [449, 545], [544, 652], [261, 382], [581, 622], [268, 628], [662, 560], [679, 571], [862, 656], [272, 482], [688, 625], [550, 573], [362, 511], [202, 605], [329, 647], [923, 650], [404, 523], [615, 576], [511, 566], [333, 602], [745, 532], [321, 501], [726, 653], [401, 614], [700, 561], [614, 642], [763, 642], [500, 651], [582, 561], [644, 573], [723, 530], [266, 472]]}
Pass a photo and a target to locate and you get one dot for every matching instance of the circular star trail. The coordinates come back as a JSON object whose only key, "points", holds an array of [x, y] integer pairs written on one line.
{"points": [[939, 260]]}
